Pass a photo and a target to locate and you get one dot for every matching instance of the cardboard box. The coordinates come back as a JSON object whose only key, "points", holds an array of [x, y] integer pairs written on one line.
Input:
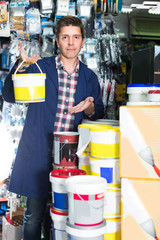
{"points": [[140, 142], [140, 209], [10, 231]]}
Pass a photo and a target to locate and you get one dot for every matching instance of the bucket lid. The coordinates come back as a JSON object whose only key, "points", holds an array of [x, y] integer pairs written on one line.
{"points": [[86, 184], [143, 85], [141, 88], [66, 133], [66, 172], [86, 231]]}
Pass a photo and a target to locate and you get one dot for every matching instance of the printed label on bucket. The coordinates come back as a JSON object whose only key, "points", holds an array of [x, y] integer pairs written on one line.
{"points": [[65, 153]]}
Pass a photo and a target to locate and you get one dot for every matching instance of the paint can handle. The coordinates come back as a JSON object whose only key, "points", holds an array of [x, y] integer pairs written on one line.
{"points": [[22, 64]]}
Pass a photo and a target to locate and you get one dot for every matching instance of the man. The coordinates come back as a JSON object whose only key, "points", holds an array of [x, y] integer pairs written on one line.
{"points": [[72, 94]]}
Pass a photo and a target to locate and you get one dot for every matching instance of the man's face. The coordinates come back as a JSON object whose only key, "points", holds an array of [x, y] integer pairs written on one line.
{"points": [[70, 41]]}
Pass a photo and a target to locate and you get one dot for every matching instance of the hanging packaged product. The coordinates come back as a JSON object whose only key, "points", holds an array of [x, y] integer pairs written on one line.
{"points": [[84, 8], [62, 7], [4, 20], [33, 21], [46, 6], [17, 18]]}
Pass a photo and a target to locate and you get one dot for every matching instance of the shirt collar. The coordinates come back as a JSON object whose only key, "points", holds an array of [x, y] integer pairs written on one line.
{"points": [[59, 64]]}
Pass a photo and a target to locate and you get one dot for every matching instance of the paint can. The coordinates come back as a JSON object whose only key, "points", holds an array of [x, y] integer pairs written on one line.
{"points": [[87, 233], [112, 203], [59, 225], [107, 168], [65, 148], [86, 200], [154, 96], [30, 87], [84, 163], [139, 92], [105, 141], [59, 194], [113, 231], [85, 129]]}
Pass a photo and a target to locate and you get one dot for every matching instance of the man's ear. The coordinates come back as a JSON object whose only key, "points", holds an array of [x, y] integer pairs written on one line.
{"points": [[83, 41], [57, 42]]}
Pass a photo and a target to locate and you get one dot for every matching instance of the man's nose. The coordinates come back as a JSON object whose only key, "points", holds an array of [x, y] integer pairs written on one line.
{"points": [[70, 40]]}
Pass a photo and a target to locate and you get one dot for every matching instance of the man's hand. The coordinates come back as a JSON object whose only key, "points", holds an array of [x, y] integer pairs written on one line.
{"points": [[24, 56], [87, 105]]}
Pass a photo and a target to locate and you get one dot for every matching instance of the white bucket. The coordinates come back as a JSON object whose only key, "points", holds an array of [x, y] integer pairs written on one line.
{"points": [[86, 200], [29, 87], [87, 233], [59, 225], [84, 163], [106, 168], [113, 231], [139, 92], [154, 96], [59, 193], [112, 203]]}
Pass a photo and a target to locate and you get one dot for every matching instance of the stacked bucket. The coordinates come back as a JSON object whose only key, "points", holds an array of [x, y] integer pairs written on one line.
{"points": [[103, 155], [86, 205], [59, 209]]}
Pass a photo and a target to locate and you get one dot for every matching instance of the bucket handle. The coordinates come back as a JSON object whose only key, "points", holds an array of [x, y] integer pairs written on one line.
{"points": [[22, 64]]}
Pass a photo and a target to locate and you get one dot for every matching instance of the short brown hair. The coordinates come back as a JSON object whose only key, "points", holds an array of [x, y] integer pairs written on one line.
{"points": [[68, 21]]}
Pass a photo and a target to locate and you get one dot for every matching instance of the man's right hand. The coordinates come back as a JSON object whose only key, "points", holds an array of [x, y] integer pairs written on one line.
{"points": [[24, 56]]}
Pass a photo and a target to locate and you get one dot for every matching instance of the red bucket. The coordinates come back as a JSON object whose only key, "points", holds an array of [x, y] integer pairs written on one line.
{"points": [[65, 148]]}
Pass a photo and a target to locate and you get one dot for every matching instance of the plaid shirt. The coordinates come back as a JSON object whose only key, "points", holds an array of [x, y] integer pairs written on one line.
{"points": [[67, 86]]}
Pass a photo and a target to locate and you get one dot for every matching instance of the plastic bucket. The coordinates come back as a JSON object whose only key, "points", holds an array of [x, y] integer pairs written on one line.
{"points": [[59, 225], [65, 148], [86, 200], [87, 233], [106, 168], [105, 141], [29, 87], [112, 203], [84, 163], [85, 128], [113, 231], [139, 92], [59, 194]]}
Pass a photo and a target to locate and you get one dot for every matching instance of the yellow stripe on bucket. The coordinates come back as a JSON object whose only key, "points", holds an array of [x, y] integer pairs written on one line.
{"points": [[106, 168], [113, 229], [105, 141], [29, 93]]}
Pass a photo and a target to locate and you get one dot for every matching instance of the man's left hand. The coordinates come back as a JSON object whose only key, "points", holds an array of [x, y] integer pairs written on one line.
{"points": [[87, 105]]}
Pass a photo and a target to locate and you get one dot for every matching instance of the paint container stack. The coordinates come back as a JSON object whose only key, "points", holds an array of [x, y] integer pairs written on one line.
{"points": [[104, 162], [59, 210], [85, 207], [64, 150]]}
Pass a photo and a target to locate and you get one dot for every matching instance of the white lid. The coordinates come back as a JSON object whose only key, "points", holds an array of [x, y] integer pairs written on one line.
{"points": [[142, 103], [86, 184]]}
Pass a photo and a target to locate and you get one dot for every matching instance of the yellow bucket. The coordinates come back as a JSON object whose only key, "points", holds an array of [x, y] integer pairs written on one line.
{"points": [[112, 202], [113, 229], [106, 168], [105, 141], [29, 87]]}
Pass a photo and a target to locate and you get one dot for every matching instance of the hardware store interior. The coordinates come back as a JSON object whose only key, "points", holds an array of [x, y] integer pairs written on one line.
{"points": [[95, 192]]}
